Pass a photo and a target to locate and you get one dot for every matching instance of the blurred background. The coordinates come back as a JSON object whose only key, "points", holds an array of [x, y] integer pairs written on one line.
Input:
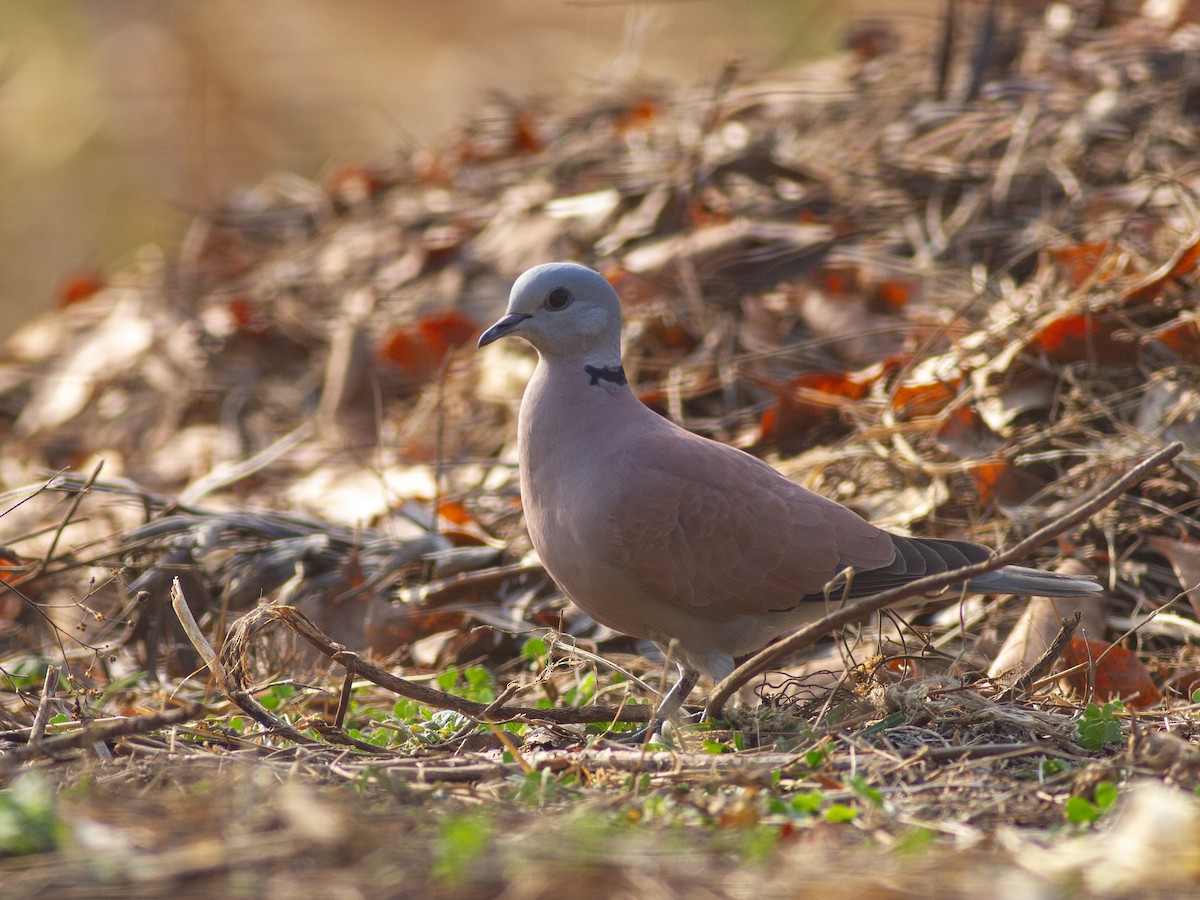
{"points": [[119, 119]]}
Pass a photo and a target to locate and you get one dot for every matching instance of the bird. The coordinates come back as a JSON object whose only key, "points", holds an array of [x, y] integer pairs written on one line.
{"points": [[666, 535]]}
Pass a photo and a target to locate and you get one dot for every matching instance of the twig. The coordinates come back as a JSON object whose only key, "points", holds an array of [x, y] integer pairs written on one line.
{"points": [[235, 680], [99, 732], [1045, 662], [183, 613], [70, 514], [49, 686], [854, 612]]}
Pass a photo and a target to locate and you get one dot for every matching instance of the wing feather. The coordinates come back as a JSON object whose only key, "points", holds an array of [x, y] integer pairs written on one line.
{"points": [[702, 525]]}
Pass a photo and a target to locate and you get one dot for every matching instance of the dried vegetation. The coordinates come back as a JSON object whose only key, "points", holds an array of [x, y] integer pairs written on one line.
{"points": [[959, 297]]}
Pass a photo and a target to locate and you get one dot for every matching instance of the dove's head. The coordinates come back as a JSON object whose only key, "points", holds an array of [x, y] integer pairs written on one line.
{"points": [[566, 311]]}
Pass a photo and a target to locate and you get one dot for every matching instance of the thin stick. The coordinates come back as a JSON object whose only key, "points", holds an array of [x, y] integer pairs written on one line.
{"points": [[1046, 661], [124, 726], [66, 520], [235, 680], [49, 686], [183, 613], [855, 612]]}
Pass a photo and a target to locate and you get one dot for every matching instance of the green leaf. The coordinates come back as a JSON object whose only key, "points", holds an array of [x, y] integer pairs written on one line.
{"points": [[535, 649], [840, 812], [1081, 811], [807, 803], [1098, 726], [1105, 795], [895, 719], [1050, 767], [914, 840], [464, 839], [28, 820], [859, 785], [815, 758]]}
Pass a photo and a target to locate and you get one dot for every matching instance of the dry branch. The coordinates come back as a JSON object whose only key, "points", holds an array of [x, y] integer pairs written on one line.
{"points": [[235, 679], [100, 732]]}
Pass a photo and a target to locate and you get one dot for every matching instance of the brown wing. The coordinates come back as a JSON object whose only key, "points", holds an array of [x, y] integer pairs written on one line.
{"points": [[701, 524]]}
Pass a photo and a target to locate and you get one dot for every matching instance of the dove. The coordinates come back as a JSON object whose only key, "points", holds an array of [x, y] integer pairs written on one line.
{"points": [[669, 536]]}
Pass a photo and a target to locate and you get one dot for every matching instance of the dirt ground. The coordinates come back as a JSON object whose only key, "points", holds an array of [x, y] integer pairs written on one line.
{"points": [[270, 623]]}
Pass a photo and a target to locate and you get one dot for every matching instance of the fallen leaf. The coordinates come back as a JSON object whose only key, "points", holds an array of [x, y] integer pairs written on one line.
{"points": [[1181, 335], [1079, 337], [1184, 557], [78, 287], [892, 295], [419, 348], [1182, 263], [1003, 483], [812, 399], [639, 115], [1040, 623], [1079, 263], [963, 432], [1106, 672], [912, 399]]}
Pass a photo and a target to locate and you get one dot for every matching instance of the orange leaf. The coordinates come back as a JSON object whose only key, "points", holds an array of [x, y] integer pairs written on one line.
{"points": [[1108, 672], [1182, 263], [353, 185], [840, 279], [11, 566], [79, 287], [418, 349], [925, 398], [1181, 335], [455, 512], [892, 295], [640, 115], [1077, 337], [1078, 262], [526, 140], [964, 433], [1001, 482], [249, 316], [815, 397]]}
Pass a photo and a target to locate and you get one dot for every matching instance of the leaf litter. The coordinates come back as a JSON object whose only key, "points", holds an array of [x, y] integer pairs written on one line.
{"points": [[960, 304]]}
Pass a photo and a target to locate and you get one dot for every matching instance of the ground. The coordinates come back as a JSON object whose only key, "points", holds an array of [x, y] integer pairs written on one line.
{"points": [[270, 620]]}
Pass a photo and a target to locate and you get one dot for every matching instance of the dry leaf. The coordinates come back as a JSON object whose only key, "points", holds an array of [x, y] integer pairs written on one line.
{"points": [[1184, 557], [1103, 672]]}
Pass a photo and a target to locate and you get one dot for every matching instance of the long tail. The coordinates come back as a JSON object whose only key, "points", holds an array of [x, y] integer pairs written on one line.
{"points": [[1034, 582], [918, 557]]}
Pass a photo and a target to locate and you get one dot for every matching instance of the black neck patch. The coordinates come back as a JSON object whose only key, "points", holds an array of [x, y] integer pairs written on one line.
{"points": [[615, 374]]}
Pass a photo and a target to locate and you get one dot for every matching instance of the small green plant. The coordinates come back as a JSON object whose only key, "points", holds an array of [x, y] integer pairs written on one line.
{"points": [[807, 803], [462, 843], [1098, 726], [535, 650], [28, 819], [859, 785], [1046, 769], [276, 695], [1082, 811], [837, 813]]}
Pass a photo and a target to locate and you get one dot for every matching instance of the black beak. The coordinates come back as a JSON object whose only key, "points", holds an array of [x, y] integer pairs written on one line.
{"points": [[505, 326]]}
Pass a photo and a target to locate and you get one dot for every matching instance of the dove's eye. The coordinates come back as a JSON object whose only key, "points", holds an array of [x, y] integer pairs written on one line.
{"points": [[558, 298]]}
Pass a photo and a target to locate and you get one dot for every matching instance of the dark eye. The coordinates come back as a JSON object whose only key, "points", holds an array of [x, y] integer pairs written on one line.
{"points": [[558, 298]]}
